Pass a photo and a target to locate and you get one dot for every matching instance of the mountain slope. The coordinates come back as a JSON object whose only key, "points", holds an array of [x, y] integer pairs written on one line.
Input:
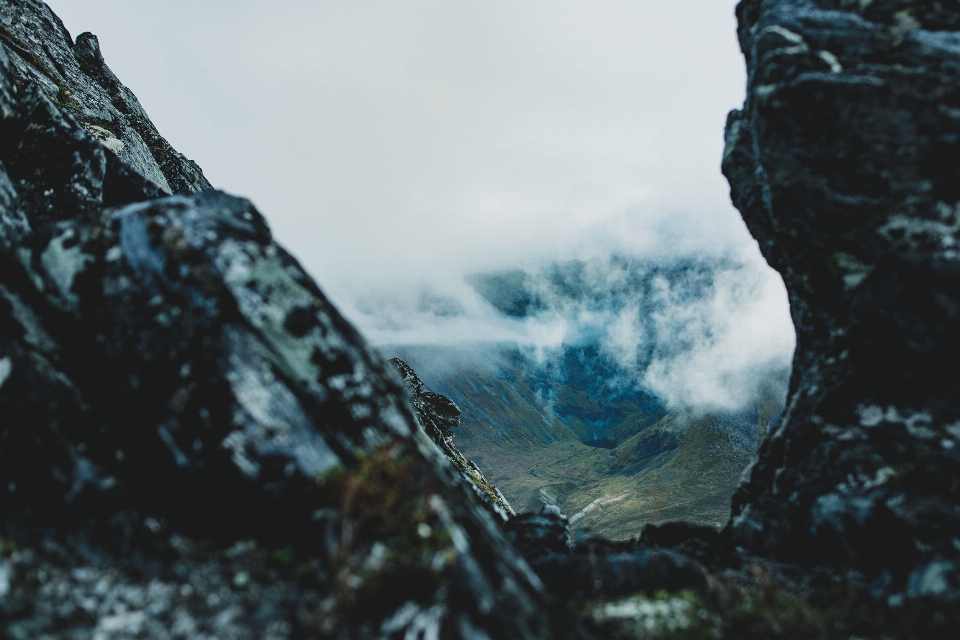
{"points": [[536, 436]]}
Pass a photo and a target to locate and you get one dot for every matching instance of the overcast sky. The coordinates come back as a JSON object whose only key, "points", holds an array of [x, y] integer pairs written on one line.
{"points": [[397, 146]]}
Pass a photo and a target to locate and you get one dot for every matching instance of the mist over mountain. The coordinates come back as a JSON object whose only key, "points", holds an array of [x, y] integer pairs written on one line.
{"points": [[401, 146], [624, 389], [703, 333], [446, 140], [697, 332]]}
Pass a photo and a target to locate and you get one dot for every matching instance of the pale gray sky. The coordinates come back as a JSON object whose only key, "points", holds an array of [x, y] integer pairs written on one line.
{"points": [[395, 146]]}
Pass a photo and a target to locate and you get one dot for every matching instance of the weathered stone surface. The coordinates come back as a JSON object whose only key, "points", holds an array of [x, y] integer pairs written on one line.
{"points": [[74, 76], [171, 380], [845, 163], [536, 534], [597, 568]]}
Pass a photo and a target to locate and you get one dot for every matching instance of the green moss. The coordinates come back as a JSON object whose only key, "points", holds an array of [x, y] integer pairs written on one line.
{"points": [[66, 97], [771, 610], [477, 479], [7, 547], [284, 556], [759, 603], [765, 607]]}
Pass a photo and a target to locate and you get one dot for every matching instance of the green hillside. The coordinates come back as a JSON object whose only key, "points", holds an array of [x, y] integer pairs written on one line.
{"points": [[524, 427]]}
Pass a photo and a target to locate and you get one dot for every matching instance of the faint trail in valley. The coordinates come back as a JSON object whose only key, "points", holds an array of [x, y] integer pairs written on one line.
{"points": [[599, 502]]}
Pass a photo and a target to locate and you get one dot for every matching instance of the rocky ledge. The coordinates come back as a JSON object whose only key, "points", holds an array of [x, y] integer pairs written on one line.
{"points": [[438, 416], [195, 444]]}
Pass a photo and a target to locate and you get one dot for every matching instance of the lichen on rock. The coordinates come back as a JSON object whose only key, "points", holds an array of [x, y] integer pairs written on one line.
{"points": [[845, 168], [194, 442]]}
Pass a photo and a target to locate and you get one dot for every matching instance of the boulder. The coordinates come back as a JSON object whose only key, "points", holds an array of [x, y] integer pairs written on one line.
{"points": [[845, 164], [194, 442]]}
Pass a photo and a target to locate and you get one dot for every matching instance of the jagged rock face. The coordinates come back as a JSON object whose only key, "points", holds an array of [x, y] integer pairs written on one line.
{"points": [[75, 77], [540, 533], [438, 415], [845, 164], [171, 380]]}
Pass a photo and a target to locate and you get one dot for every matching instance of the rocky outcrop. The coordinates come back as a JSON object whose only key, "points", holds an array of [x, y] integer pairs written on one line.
{"points": [[194, 443], [845, 164], [438, 415], [74, 76]]}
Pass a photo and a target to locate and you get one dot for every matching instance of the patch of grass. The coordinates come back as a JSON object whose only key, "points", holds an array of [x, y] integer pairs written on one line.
{"points": [[7, 547], [284, 556], [386, 541], [760, 605]]}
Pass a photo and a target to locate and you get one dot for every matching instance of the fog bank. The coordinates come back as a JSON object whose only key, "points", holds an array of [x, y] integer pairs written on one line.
{"points": [[400, 148]]}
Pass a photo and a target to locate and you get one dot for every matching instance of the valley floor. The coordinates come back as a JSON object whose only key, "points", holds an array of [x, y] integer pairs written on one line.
{"points": [[527, 432], [611, 492]]}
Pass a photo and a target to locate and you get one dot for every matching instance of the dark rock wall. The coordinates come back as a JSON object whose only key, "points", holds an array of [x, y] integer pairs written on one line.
{"points": [[171, 380], [845, 164]]}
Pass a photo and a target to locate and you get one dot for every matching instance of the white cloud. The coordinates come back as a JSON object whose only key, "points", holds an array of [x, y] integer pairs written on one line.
{"points": [[398, 146], [394, 140], [730, 343]]}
